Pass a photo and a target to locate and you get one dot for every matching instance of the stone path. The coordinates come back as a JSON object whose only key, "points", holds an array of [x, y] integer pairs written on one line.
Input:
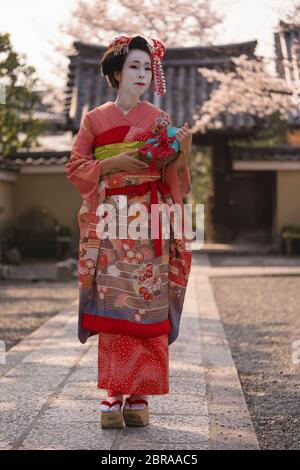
{"points": [[49, 398]]}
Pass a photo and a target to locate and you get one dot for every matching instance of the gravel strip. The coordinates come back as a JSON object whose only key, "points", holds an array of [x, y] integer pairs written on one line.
{"points": [[26, 305], [261, 319]]}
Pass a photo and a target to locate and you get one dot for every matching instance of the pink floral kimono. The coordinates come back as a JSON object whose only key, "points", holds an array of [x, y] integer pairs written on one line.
{"points": [[131, 291]]}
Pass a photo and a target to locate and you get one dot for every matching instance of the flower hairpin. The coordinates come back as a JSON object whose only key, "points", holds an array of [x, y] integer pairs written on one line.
{"points": [[120, 45]]}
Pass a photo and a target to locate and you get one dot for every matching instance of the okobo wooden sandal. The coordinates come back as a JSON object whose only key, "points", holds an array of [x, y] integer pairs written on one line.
{"points": [[135, 417], [111, 419]]}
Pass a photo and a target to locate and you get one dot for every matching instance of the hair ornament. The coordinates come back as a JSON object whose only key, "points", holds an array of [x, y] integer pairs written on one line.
{"points": [[157, 49]]}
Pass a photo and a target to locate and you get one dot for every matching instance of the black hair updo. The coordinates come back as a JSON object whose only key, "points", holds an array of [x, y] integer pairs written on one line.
{"points": [[111, 63]]}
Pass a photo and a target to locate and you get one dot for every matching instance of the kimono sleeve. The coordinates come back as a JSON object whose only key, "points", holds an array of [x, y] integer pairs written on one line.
{"points": [[183, 175], [82, 170], [163, 119]]}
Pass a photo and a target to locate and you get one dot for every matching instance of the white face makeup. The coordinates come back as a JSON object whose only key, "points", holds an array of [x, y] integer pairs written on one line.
{"points": [[136, 68]]}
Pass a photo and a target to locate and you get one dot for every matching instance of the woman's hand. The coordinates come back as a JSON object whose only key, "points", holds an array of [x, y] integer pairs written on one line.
{"points": [[127, 162], [184, 137], [124, 162]]}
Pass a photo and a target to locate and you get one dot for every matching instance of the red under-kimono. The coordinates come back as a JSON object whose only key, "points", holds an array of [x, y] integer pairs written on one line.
{"points": [[131, 294]]}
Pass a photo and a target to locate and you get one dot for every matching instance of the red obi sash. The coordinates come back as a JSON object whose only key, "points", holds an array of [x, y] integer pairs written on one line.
{"points": [[140, 190]]}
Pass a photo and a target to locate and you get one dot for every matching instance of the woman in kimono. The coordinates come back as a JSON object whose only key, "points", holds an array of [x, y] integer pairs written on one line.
{"points": [[131, 291]]}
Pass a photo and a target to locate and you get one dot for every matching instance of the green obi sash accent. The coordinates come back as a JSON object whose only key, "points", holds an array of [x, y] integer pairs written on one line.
{"points": [[110, 150]]}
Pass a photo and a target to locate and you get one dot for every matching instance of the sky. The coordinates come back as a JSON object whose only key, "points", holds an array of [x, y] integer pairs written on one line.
{"points": [[33, 24]]}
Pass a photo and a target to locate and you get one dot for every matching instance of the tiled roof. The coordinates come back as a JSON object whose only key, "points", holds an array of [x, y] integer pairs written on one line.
{"points": [[7, 164], [278, 153], [55, 150], [186, 88], [40, 158], [56, 118]]}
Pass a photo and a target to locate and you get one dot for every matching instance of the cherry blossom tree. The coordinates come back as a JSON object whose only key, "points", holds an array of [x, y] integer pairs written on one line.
{"points": [[249, 89], [175, 22]]}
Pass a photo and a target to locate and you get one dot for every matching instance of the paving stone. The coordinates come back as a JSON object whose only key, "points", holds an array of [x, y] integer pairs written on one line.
{"points": [[69, 435], [84, 373], [179, 404], [170, 428], [144, 445], [73, 410], [50, 400], [13, 422], [82, 390]]}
